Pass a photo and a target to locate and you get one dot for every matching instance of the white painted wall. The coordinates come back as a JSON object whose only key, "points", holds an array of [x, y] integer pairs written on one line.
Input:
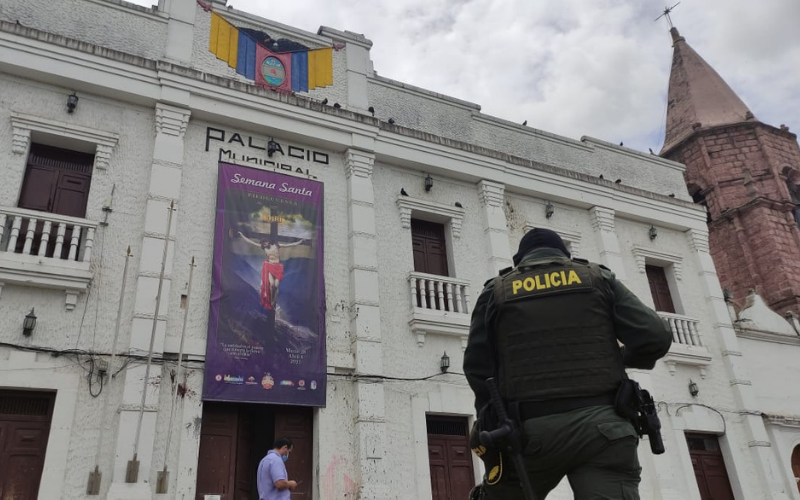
{"points": [[608, 223]]}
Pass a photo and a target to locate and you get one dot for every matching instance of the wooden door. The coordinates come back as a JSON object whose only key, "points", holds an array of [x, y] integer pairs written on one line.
{"points": [[246, 464], [796, 465], [452, 475], [709, 467], [430, 248], [297, 424], [659, 289], [24, 430], [216, 468]]}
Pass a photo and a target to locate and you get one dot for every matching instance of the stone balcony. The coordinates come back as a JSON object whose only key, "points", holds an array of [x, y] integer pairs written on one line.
{"points": [[687, 344], [439, 305], [46, 250]]}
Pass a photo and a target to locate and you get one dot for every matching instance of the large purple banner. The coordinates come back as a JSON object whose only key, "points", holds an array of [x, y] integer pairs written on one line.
{"points": [[266, 327]]}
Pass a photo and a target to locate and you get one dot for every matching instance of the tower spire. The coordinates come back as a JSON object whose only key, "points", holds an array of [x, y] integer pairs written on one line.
{"points": [[698, 97]]}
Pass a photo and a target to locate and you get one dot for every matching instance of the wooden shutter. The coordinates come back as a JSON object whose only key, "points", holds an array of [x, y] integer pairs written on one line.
{"points": [[430, 248], [57, 181], [659, 289]]}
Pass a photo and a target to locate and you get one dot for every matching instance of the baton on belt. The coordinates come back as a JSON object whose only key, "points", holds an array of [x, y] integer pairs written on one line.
{"points": [[506, 437]]}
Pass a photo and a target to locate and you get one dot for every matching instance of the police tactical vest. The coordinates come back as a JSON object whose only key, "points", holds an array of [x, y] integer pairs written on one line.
{"points": [[555, 332]]}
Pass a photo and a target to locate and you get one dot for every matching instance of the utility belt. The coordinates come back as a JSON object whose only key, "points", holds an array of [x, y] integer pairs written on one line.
{"points": [[524, 410]]}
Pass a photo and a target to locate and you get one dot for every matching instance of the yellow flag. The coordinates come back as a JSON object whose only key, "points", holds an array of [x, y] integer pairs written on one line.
{"points": [[224, 40], [326, 67]]}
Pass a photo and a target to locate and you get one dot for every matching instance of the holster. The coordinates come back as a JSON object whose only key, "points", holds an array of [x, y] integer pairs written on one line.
{"points": [[627, 402], [492, 459]]}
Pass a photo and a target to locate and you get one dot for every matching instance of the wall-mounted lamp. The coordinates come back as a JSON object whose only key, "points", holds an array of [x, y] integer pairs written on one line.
{"points": [[428, 183], [653, 232], [549, 210], [29, 323], [72, 103], [693, 389], [272, 147], [444, 363]]}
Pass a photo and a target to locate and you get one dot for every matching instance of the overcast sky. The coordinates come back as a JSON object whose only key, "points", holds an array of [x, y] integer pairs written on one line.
{"points": [[573, 67]]}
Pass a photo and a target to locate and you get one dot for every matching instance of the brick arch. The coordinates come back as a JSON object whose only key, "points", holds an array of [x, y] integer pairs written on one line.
{"points": [[696, 192], [796, 465], [791, 173]]}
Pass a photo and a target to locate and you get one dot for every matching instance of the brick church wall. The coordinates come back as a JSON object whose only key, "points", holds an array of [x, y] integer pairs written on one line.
{"points": [[741, 170]]}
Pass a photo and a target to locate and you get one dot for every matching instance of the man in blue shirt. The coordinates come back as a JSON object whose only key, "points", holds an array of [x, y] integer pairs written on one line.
{"points": [[273, 483]]}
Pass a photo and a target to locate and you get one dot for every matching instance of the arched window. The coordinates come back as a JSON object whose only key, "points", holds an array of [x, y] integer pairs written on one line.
{"points": [[699, 198], [793, 183], [796, 465]]}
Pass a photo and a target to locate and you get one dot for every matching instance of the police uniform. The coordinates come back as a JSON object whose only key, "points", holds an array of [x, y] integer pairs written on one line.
{"points": [[548, 331]]}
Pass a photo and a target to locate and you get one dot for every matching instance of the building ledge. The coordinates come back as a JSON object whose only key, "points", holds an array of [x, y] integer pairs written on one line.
{"points": [[777, 338], [44, 272], [690, 355], [451, 324]]}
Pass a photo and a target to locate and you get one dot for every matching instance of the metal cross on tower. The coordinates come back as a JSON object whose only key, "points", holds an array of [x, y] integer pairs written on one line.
{"points": [[667, 12]]}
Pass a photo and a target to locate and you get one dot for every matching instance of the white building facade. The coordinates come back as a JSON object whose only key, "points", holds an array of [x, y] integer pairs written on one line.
{"points": [[155, 114]]}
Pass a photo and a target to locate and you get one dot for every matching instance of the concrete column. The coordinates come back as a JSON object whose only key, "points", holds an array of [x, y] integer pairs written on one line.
{"points": [[767, 473], [365, 325], [492, 196], [359, 65], [603, 223], [180, 29], [165, 187]]}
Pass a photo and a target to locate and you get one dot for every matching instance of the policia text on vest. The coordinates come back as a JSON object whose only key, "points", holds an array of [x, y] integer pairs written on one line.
{"points": [[545, 281]]}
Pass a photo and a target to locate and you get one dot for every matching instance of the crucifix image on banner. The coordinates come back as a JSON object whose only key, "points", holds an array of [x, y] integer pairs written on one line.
{"points": [[266, 338]]}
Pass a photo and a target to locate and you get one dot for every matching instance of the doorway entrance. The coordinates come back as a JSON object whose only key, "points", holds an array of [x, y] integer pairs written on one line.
{"points": [[234, 437], [709, 467], [24, 429], [450, 457]]}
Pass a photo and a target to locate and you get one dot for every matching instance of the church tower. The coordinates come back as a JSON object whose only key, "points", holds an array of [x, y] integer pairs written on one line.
{"points": [[746, 172]]}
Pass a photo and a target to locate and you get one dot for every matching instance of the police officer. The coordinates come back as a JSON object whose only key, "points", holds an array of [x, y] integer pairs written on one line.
{"points": [[548, 330]]}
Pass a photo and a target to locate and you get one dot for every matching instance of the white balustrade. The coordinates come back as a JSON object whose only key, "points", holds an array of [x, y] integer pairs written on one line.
{"points": [[684, 329], [37, 230], [439, 293]]}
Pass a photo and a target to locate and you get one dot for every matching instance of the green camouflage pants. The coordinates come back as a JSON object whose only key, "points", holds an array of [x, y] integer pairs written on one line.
{"points": [[594, 447]]}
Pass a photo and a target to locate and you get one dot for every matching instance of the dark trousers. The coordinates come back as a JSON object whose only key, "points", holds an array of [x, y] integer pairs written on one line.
{"points": [[594, 447]]}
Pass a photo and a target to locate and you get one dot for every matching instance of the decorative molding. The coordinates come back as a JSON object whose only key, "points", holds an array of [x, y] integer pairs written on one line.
{"points": [[645, 254], [409, 206], [698, 240], [102, 156], [359, 164], [571, 238], [783, 420], [748, 333], [21, 138], [492, 194], [148, 408], [23, 125], [680, 354], [171, 120], [424, 322], [602, 218], [762, 444], [26, 270], [731, 353]]}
